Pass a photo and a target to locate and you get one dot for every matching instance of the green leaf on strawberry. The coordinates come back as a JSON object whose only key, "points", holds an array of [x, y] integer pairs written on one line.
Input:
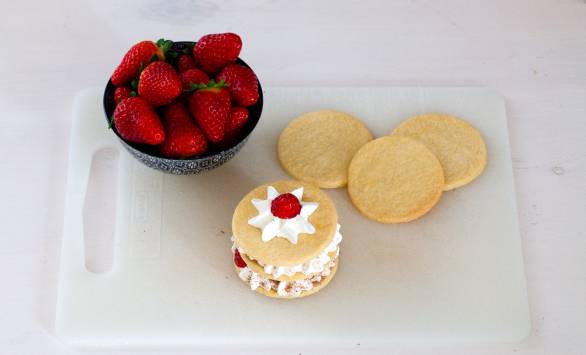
{"points": [[212, 84]]}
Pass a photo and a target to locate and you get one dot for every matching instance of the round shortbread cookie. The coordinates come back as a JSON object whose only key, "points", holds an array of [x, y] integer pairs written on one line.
{"points": [[255, 266], [458, 146], [279, 251], [395, 179], [323, 283], [317, 147]]}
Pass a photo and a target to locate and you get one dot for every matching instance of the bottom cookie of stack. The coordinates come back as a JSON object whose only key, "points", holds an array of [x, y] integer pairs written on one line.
{"points": [[288, 289], [289, 281]]}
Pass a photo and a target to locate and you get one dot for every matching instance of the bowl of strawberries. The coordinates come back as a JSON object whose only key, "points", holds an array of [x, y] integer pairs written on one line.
{"points": [[184, 107]]}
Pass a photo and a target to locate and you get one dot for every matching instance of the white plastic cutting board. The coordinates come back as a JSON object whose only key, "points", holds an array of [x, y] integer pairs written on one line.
{"points": [[454, 275]]}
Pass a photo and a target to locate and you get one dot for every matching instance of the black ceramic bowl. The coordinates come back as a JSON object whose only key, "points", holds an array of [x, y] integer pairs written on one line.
{"points": [[211, 159]]}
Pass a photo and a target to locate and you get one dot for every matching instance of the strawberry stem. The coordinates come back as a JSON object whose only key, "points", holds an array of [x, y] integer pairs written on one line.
{"points": [[164, 47], [213, 85], [210, 85]]}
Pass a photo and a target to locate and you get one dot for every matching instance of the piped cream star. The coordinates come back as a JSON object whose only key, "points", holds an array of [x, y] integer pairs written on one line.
{"points": [[273, 226]]}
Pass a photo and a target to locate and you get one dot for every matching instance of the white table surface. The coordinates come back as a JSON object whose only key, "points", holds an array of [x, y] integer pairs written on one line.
{"points": [[533, 52]]}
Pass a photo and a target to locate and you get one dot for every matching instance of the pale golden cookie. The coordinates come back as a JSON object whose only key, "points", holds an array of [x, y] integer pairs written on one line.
{"points": [[280, 251], [254, 266], [458, 146], [323, 283], [395, 179], [317, 147]]}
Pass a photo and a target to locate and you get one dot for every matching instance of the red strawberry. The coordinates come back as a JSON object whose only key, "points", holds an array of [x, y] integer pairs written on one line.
{"points": [[211, 108], [238, 261], [136, 121], [185, 62], [285, 206], [137, 57], [212, 52], [242, 83], [195, 77], [159, 83], [184, 139], [122, 93], [238, 118]]}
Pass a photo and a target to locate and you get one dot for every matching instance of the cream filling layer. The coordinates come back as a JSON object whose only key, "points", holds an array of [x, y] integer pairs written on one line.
{"points": [[284, 288], [315, 265]]}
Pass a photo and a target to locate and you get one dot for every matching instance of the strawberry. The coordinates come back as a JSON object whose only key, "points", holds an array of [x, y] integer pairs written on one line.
{"points": [[184, 138], [214, 51], [285, 206], [136, 121], [193, 77], [159, 83], [242, 83], [185, 62], [210, 106], [137, 57], [122, 93], [238, 261], [238, 118]]}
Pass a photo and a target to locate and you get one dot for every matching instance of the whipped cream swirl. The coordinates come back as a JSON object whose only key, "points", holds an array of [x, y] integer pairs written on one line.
{"points": [[273, 226]]}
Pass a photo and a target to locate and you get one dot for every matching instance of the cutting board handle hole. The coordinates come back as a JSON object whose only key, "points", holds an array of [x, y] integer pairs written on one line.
{"points": [[99, 211]]}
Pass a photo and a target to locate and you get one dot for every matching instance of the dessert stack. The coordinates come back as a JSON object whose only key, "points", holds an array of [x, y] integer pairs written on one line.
{"points": [[286, 239]]}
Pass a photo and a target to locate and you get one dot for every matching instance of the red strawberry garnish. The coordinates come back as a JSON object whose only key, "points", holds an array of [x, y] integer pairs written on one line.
{"points": [[238, 118], [192, 77], [211, 108], [138, 57], [136, 121], [214, 51], [122, 93], [183, 139], [159, 83], [285, 206], [238, 261], [242, 83], [185, 62]]}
